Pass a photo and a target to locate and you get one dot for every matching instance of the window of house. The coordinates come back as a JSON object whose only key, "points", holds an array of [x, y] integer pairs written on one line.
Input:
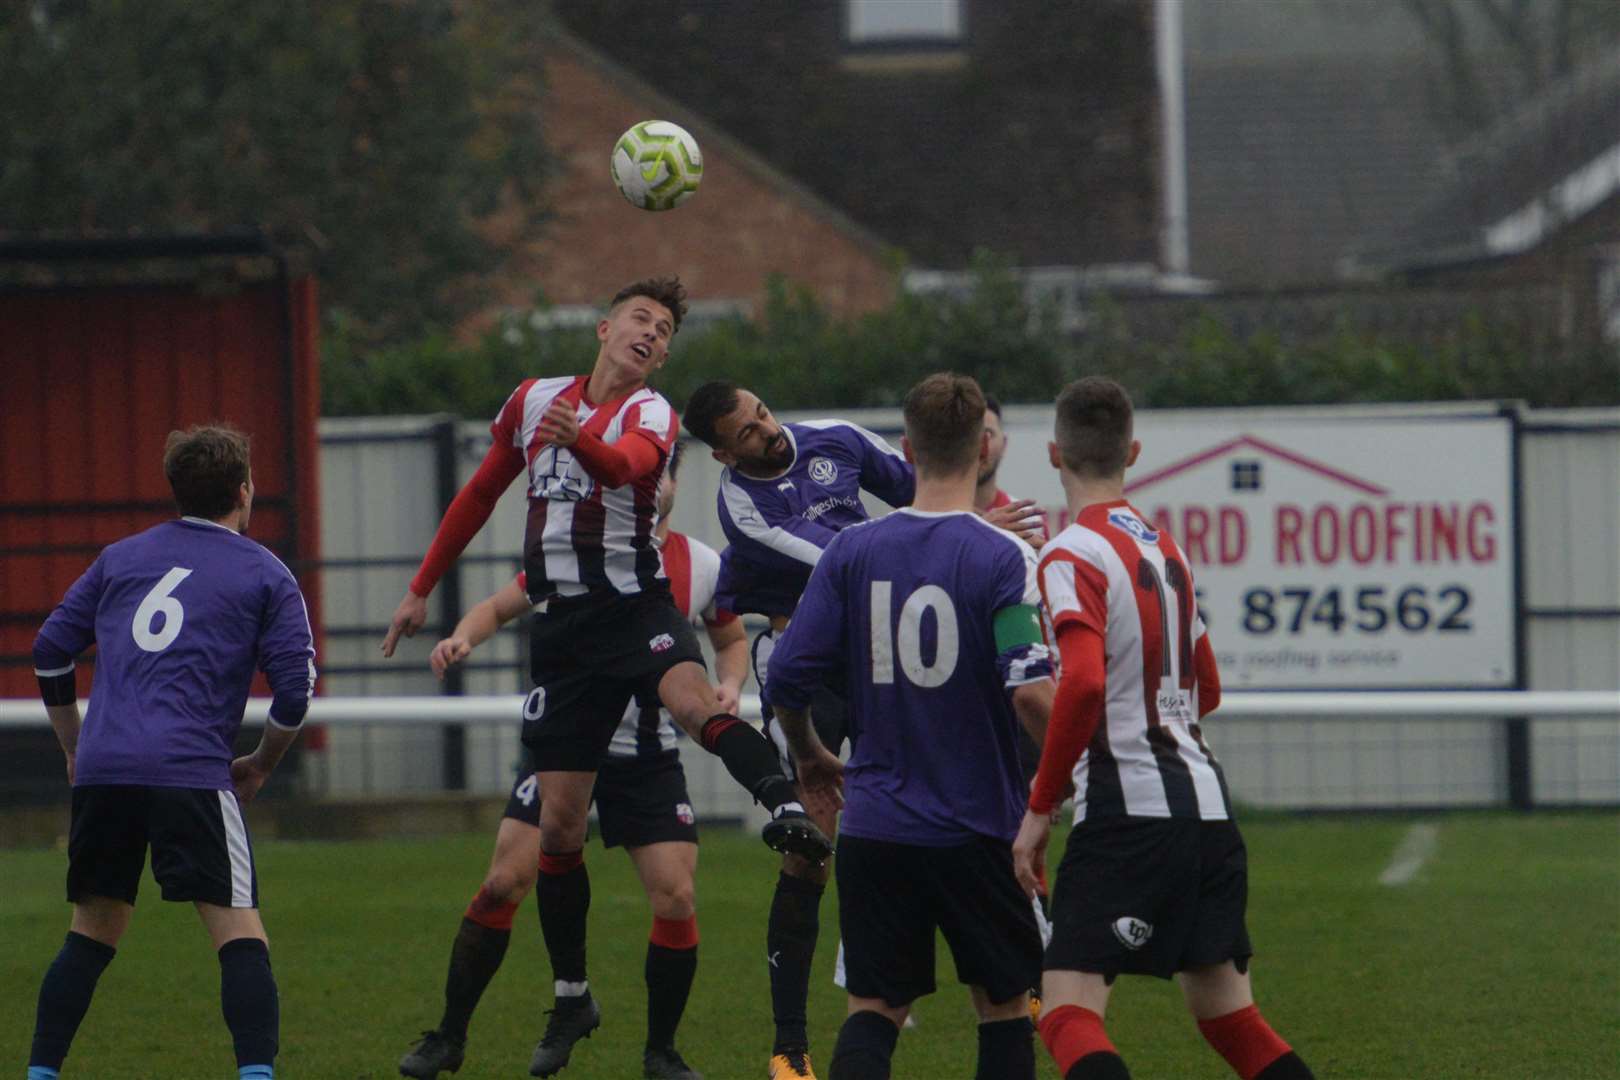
{"points": [[900, 22]]}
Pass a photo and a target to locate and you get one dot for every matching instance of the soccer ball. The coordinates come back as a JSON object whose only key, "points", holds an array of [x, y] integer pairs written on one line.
{"points": [[657, 165]]}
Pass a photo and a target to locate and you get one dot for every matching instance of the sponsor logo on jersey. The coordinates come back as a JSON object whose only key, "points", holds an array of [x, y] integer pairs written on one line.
{"points": [[661, 643], [683, 813], [1132, 932], [1125, 521], [822, 470]]}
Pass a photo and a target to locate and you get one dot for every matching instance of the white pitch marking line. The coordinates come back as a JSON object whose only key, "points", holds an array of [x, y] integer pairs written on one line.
{"points": [[1414, 850]]}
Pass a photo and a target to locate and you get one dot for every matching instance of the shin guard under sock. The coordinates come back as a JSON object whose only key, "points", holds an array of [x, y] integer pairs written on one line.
{"points": [[64, 997], [865, 1047], [480, 946], [248, 998], [790, 946], [750, 758], [563, 894], [672, 955], [1006, 1050]]}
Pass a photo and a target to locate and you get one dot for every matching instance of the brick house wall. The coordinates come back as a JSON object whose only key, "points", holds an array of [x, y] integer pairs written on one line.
{"points": [[1034, 134], [746, 222]]}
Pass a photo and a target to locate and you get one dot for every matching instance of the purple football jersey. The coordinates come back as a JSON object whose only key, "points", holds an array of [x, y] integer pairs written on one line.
{"points": [[777, 528], [906, 606], [181, 614]]}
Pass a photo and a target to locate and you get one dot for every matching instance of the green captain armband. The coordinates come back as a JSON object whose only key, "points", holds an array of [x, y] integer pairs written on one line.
{"points": [[1018, 625]]}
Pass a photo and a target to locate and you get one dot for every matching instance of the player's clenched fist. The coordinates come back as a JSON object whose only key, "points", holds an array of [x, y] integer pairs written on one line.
{"points": [[560, 424], [447, 653]]}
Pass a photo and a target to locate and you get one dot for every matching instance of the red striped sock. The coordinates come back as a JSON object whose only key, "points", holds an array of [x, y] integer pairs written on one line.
{"points": [[675, 933], [485, 910], [1070, 1033], [1245, 1040]]}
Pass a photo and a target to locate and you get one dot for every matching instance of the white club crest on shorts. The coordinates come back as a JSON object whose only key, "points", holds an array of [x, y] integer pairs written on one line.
{"points": [[661, 643], [683, 813], [822, 470], [1132, 932]]}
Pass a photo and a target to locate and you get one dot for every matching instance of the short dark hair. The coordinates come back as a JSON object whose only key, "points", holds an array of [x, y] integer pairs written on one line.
{"points": [[206, 466], [992, 403], [706, 406], [1094, 422], [945, 421], [665, 290]]}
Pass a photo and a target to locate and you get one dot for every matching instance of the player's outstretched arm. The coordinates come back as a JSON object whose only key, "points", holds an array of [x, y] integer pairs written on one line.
{"points": [[479, 625], [467, 513]]}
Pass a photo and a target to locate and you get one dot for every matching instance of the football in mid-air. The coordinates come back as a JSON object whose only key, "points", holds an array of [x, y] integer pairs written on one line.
{"points": [[657, 165]]}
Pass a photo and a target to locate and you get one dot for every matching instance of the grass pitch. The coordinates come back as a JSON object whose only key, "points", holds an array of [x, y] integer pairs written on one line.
{"points": [[1500, 959]]}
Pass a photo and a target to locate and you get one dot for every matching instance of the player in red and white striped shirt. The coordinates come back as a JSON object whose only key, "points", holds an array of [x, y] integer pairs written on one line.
{"points": [[605, 628], [1155, 877]]}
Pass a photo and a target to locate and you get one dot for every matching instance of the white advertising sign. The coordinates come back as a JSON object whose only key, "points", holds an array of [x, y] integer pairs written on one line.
{"points": [[1327, 552]]}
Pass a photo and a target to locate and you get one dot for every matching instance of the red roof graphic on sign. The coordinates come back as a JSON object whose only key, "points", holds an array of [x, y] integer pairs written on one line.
{"points": [[1194, 460]]}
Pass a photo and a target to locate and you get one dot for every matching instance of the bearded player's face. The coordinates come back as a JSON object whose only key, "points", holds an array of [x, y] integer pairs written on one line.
{"points": [[753, 438], [636, 334]]}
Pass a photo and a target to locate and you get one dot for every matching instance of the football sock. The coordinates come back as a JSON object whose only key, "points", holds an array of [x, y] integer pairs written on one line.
{"points": [[1078, 1043], [671, 965], [247, 997], [1007, 1050], [865, 1047], [1249, 1045], [64, 998], [1246, 1041], [563, 894], [750, 758], [480, 946], [790, 945]]}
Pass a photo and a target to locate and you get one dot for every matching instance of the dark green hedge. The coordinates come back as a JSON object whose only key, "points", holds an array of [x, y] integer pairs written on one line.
{"points": [[796, 355]]}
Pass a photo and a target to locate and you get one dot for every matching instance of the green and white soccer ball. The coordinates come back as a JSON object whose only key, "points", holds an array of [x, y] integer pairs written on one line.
{"points": [[657, 165]]}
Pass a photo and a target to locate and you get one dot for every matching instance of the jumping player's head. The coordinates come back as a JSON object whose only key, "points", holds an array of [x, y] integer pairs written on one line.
{"points": [[641, 320], [210, 473], [944, 416], [995, 436], [1093, 438], [738, 427]]}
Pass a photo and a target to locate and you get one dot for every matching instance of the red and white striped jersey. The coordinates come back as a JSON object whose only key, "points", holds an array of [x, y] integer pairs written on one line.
{"points": [[582, 537], [1115, 573]]}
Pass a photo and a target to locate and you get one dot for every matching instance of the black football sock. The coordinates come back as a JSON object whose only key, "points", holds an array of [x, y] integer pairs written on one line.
{"points": [[865, 1047], [1287, 1067], [671, 965], [64, 997], [1007, 1050], [1103, 1065], [750, 758], [563, 894], [790, 946], [474, 959], [247, 997]]}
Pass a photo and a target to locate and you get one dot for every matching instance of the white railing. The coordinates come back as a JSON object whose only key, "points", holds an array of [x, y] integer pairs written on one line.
{"points": [[1419, 749], [1237, 705]]}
